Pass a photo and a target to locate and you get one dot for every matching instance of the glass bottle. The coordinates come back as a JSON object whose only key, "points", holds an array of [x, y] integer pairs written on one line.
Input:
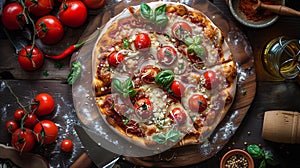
{"points": [[280, 58]]}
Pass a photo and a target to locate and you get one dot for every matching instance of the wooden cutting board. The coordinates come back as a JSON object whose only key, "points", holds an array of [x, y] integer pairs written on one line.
{"points": [[245, 93]]}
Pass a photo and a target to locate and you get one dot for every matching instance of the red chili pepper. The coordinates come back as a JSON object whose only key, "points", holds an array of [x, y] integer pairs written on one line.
{"points": [[70, 50]]}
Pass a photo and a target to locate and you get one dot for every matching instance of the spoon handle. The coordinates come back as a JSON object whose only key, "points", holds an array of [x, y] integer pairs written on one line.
{"points": [[280, 9]]}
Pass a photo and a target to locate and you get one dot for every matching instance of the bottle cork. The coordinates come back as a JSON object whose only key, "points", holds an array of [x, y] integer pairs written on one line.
{"points": [[281, 126]]}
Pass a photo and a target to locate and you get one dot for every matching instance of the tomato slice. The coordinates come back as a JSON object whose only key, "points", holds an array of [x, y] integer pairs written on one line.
{"points": [[142, 41], [166, 55], [143, 108], [178, 116], [197, 103], [181, 30], [148, 73]]}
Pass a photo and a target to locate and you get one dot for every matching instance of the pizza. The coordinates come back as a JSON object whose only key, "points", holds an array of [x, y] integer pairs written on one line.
{"points": [[163, 75]]}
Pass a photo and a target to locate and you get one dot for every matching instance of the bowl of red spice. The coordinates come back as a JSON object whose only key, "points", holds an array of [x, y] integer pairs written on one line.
{"points": [[244, 11], [237, 158]]}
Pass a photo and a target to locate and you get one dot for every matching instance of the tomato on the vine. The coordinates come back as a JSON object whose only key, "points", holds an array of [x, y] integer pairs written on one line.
{"points": [[11, 126], [46, 132], [66, 145], [30, 120], [43, 104], [12, 16], [49, 29], [39, 7], [72, 13], [18, 114], [94, 4], [30, 58], [23, 140]]}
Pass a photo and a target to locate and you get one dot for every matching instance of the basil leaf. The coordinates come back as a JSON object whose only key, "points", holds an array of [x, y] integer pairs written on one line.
{"points": [[161, 10], [127, 84], [132, 92], [74, 73], [164, 79], [160, 15], [126, 43], [197, 40], [172, 135], [160, 138], [191, 48], [146, 11], [255, 151], [117, 85], [270, 160], [263, 164], [188, 41], [200, 51]]}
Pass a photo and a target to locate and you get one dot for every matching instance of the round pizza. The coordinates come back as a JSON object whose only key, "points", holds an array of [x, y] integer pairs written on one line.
{"points": [[163, 75]]}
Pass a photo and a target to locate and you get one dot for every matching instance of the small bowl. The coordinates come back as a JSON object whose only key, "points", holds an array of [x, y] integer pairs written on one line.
{"points": [[238, 153], [241, 17]]}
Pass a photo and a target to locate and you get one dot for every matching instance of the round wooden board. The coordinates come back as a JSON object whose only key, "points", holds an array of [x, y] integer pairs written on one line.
{"points": [[246, 88]]}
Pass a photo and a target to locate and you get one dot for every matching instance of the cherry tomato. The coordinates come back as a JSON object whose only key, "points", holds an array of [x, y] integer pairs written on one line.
{"points": [[11, 126], [30, 120], [94, 4], [30, 59], [142, 41], [23, 140], [46, 132], [18, 114], [177, 88], [211, 80], [12, 16], [148, 73], [115, 58], [43, 104], [181, 30], [178, 116], [166, 55], [49, 29], [39, 7], [72, 13], [197, 103], [144, 108], [66, 145]]}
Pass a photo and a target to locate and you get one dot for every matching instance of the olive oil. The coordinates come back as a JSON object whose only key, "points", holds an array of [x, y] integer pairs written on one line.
{"points": [[280, 58]]}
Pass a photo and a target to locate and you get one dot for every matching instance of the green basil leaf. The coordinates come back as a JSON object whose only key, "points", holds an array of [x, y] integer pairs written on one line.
{"points": [[197, 40], [164, 79], [127, 84], [263, 164], [161, 10], [117, 85], [126, 43], [132, 92], [160, 138], [255, 151], [172, 135], [146, 11], [74, 73], [188, 41], [161, 20], [200, 51], [270, 160], [191, 48]]}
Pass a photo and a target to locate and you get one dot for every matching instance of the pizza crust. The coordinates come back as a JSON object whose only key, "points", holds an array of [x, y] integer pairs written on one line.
{"points": [[111, 36]]}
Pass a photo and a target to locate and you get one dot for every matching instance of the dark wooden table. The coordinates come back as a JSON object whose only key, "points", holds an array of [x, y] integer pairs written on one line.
{"points": [[270, 95]]}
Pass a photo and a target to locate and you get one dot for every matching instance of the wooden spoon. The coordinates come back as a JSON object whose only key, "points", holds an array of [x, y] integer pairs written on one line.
{"points": [[279, 9]]}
